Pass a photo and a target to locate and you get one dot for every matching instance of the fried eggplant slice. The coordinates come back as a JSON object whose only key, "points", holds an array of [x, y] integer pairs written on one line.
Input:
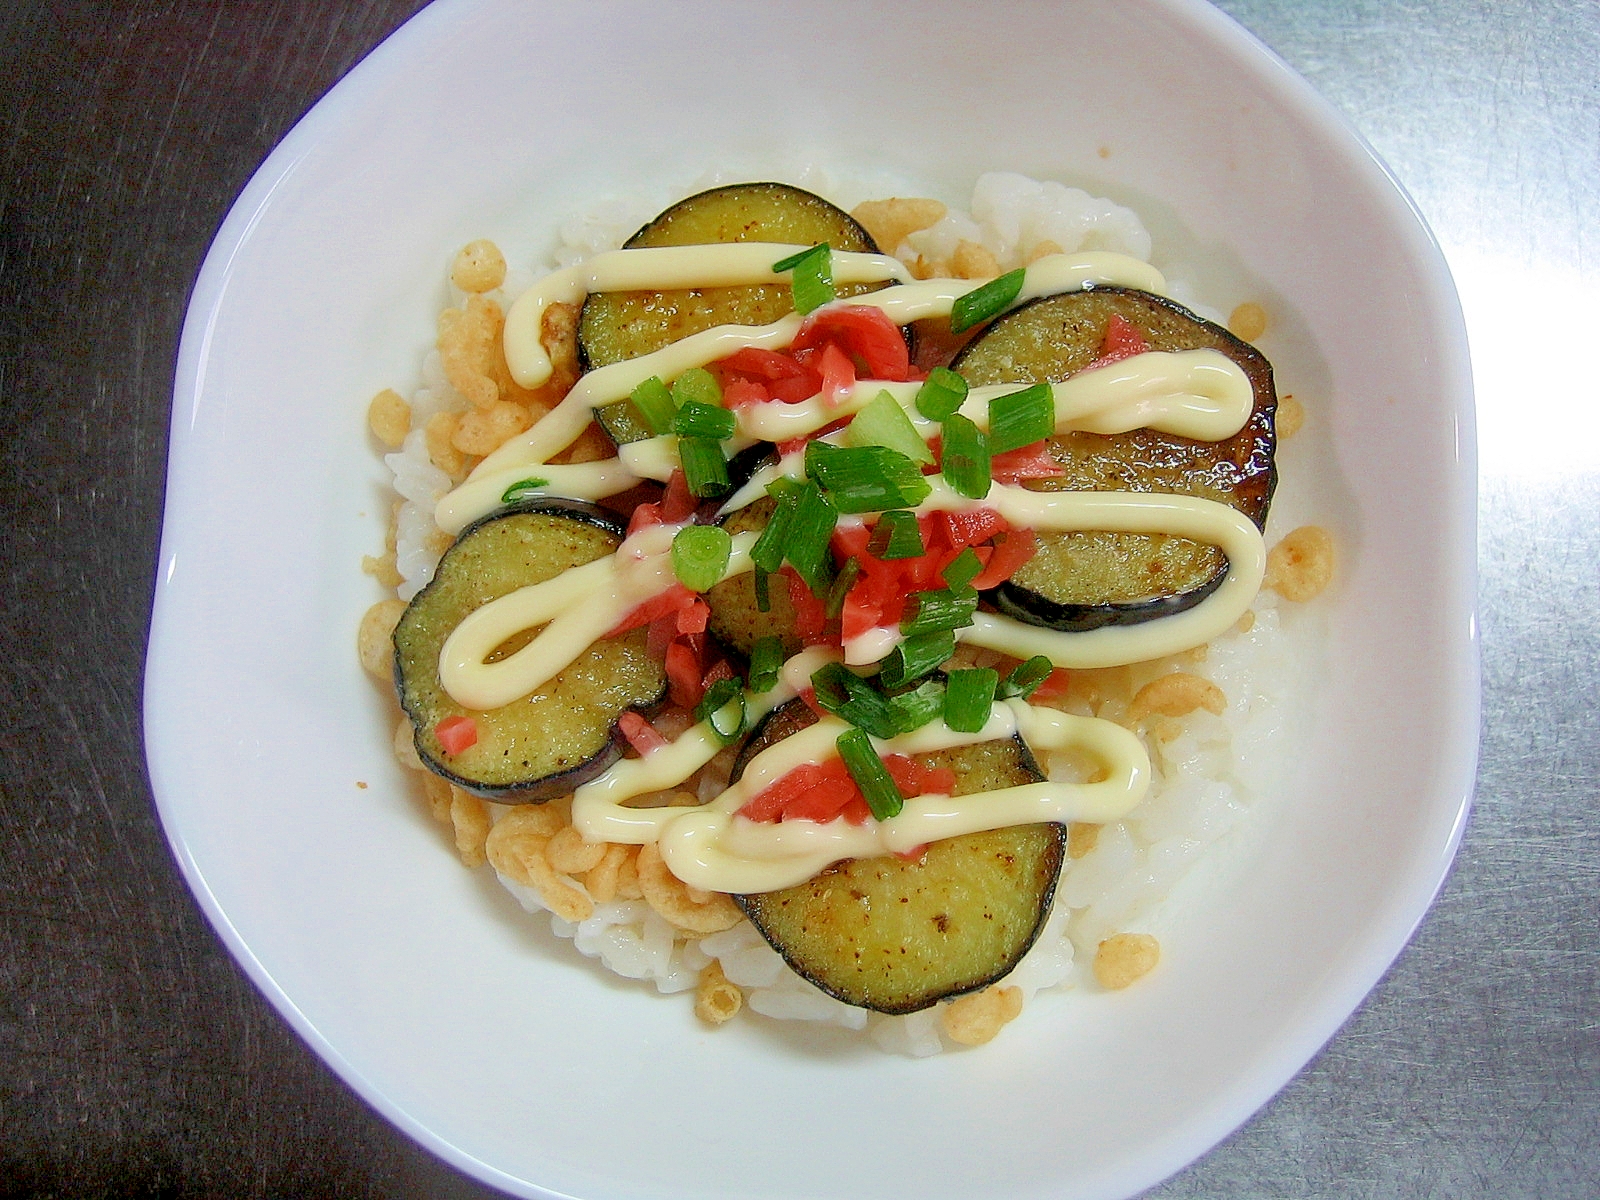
{"points": [[894, 935], [565, 733], [1083, 580], [616, 326]]}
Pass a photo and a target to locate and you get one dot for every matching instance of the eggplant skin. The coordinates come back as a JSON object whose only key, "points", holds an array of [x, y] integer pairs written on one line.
{"points": [[565, 733], [1087, 579], [897, 936]]}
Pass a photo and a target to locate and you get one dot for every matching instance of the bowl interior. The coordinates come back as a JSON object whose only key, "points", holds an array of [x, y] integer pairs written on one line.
{"points": [[465, 1021]]}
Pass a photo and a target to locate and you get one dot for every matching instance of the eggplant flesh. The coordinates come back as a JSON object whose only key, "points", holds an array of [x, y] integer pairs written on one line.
{"points": [[894, 935], [616, 326], [1086, 579], [565, 733], [736, 620]]}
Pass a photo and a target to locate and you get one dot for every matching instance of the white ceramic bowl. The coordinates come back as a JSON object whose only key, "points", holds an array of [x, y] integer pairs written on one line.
{"points": [[425, 987]]}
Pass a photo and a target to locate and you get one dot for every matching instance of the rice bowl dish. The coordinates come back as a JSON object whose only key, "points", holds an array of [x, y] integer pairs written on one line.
{"points": [[428, 988], [1216, 719]]}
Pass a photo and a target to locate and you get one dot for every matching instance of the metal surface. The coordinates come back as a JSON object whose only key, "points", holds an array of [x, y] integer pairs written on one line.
{"points": [[134, 1057]]}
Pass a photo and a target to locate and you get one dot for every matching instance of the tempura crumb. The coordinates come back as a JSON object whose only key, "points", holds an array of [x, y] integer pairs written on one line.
{"points": [[1081, 838], [570, 854], [374, 638], [890, 222], [483, 431], [1248, 321], [440, 432], [1301, 565], [405, 746], [716, 1000], [974, 261], [470, 818], [478, 267], [1043, 248], [389, 418], [383, 569], [517, 846], [1289, 419], [1176, 694], [469, 347], [1124, 958], [436, 794], [976, 1019], [693, 912]]}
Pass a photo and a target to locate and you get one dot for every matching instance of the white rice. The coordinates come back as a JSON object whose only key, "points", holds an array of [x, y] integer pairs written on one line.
{"points": [[1011, 214], [1206, 780]]}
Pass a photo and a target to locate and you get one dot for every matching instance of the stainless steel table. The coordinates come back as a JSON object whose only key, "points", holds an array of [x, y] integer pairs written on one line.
{"points": [[136, 1060]]}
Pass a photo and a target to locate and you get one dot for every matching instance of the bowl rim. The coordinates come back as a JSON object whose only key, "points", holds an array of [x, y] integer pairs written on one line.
{"points": [[1383, 942]]}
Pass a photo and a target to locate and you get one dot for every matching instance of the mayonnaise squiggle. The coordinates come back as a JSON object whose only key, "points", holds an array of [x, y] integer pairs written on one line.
{"points": [[714, 848], [557, 429], [1199, 394]]}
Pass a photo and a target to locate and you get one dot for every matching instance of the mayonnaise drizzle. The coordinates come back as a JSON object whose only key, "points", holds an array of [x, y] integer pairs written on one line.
{"points": [[661, 268], [712, 847], [581, 605], [1199, 394], [909, 302], [599, 809]]}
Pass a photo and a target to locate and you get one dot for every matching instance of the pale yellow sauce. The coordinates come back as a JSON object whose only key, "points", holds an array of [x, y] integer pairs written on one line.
{"points": [[714, 848], [557, 429], [1199, 394]]}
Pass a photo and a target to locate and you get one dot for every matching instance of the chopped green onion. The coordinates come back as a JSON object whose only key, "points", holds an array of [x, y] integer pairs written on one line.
{"points": [[882, 422], [966, 458], [655, 405], [1025, 677], [918, 707], [700, 556], [915, 657], [968, 696], [943, 609], [833, 602], [812, 278], [798, 257], [763, 589], [807, 544], [812, 289], [866, 478], [1020, 419], [990, 300], [849, 697], [698, 384], [896, 535], [871, 776], [766, 660], [767, 553], [941, 394], [722, 698], [704, 467], [784, 486], [698, 419], [963, 569], [522, 489]]}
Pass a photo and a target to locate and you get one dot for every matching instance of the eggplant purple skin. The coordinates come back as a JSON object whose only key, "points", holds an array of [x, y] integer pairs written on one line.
{"points": [[565, 782], [1031, 608], [1257, 442]]}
